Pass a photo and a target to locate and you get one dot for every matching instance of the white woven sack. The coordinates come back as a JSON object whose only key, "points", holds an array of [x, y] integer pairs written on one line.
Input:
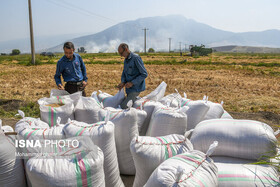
{"points": [[158, 93], [141, 118], [149, 152], [111, 101], [226, 115], [173, 100], [87, 109], [7, 128], [11, 167], [148, 106], [191, 169], [62, 94], [244, 173], [196, 112], [50, 114], [53, 133], [237, 138], [94, 96], [28, 122], [102, 135], [57, 92], [167, 120], [215, 111], [125, 129], [81, 166], [41, 135]]}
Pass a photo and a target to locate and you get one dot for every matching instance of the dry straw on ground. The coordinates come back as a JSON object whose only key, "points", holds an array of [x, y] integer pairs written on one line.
{"points": [[243, 88]]}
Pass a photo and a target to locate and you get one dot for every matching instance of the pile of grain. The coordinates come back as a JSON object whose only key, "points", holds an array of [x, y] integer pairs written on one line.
{"points": [[55, 105]]}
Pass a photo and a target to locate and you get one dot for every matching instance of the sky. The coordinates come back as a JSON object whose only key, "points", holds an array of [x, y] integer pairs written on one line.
{"points": [[83, 17]]}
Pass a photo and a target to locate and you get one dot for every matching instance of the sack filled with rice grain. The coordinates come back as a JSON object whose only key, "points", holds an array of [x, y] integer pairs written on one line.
{"points": [[167, 120], [11, 166], [126, 128], [191, 169], [50, 114], [245, 173], [76, 165], [102, 135], [246, 139], [149, 152]]}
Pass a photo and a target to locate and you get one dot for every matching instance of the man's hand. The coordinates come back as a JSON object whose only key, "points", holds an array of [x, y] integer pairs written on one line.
{"points": [[120, 86], [60, 87], [84, 84], [128, 85]]}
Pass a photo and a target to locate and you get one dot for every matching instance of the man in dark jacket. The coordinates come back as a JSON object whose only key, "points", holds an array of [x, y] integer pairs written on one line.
{"points": [[133, 75], [72, 69]]}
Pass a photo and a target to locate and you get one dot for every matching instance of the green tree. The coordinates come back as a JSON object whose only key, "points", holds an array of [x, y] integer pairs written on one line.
{"points": [[81, 50], [15, 52], [151, 50]]}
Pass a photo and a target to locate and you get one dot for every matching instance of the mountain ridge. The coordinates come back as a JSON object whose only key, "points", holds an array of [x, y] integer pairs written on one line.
{"points": [[160, 28], [177, 27]]}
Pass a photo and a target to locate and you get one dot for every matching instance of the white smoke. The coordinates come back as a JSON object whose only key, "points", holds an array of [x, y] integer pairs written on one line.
{"points": [[112, 46]]}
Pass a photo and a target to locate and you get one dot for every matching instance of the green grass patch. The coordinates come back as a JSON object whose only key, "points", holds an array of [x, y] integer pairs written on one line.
{"points": [[104, 62], [166, 62], [9, 108]]}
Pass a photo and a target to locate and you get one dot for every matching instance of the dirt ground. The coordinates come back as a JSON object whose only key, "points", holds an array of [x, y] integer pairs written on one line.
{"points": [[128, 180]]}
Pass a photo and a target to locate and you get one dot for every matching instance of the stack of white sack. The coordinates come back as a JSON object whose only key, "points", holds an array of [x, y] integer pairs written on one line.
{"points": [[64, 109], [168, 120], [57, 92], [31, 128], [87, 110], [192, 168], [172, 100], [102, 135], [158, 93], [78, 163], [37, 136], [11, 166], [52, 133], [64, 94], [245, 139], [226, 115], [111, 101], [29, 123], [5, 128], [148, 106], [215, 111], [149, 152], [245, 173], [125, 129], [200, 110]]}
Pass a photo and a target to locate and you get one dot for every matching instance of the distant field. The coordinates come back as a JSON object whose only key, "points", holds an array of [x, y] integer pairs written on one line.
{"points": [[247, 83]]}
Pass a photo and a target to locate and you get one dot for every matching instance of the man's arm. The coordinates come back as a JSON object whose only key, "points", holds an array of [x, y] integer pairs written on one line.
{"points": [[123, 81], [143, 72], [84, 71], [57, 77]]}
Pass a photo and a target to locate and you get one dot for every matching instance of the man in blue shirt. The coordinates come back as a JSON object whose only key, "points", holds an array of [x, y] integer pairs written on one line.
{"points": [[72, 69], [133, 75]]}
